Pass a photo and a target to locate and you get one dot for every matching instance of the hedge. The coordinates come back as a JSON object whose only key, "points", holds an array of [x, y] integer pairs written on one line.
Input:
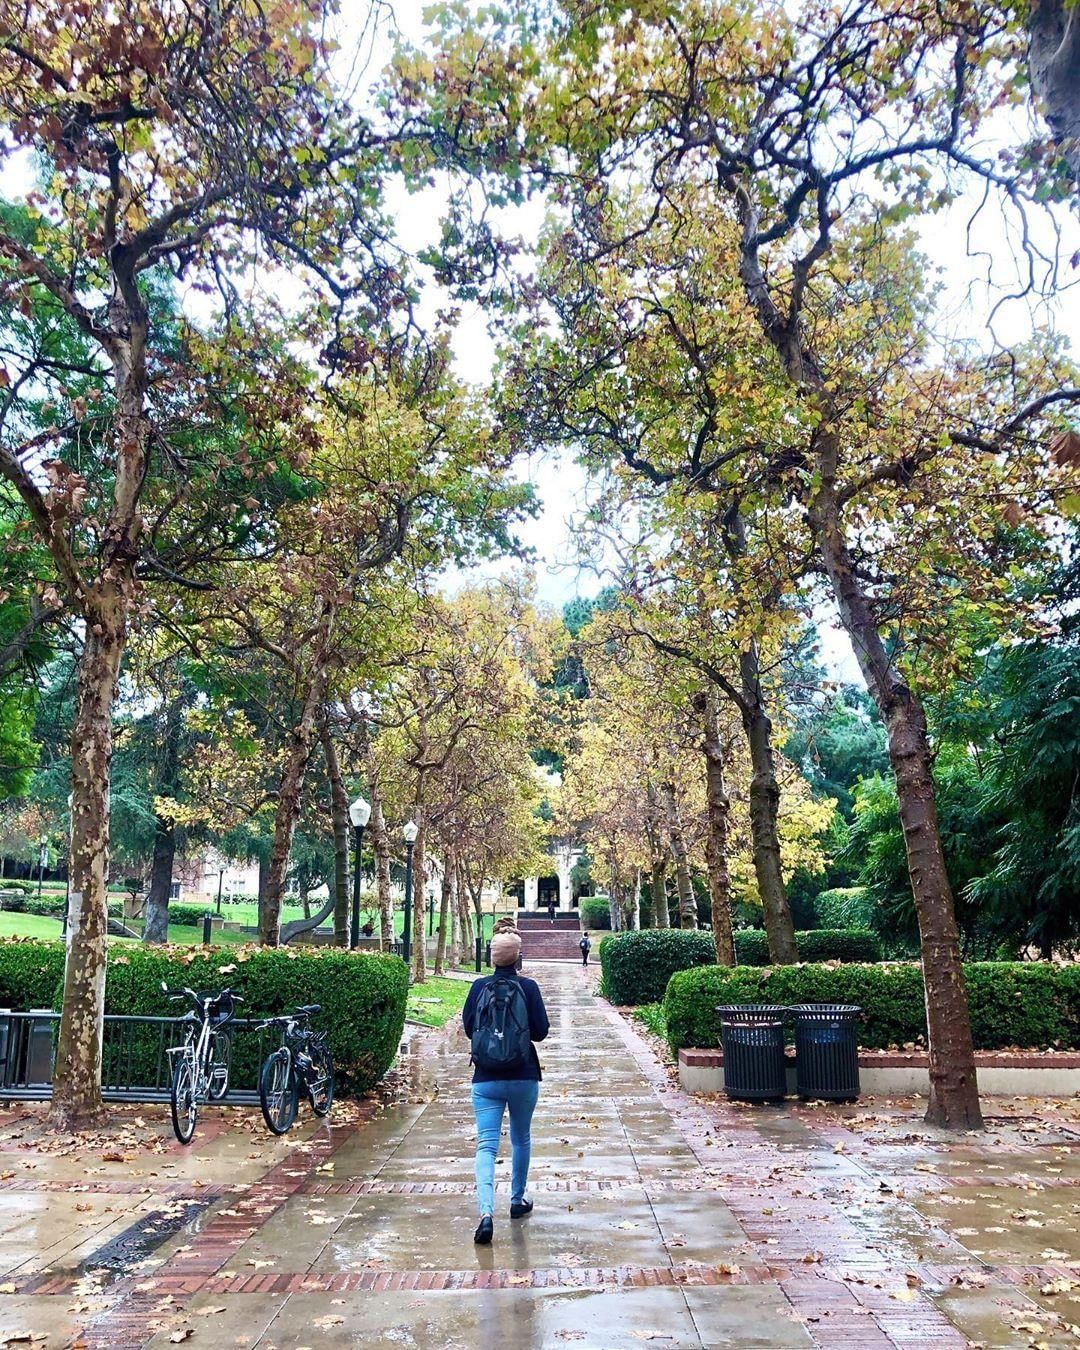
{"points": [[595, 911], [1013, 1003], [362, 995], [16, 884], [190, 916], [636, 966], [814, 944]]}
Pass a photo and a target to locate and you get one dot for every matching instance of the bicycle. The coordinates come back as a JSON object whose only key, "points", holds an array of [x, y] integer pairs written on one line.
{"points": [[302, 1059], [201, 1065]]}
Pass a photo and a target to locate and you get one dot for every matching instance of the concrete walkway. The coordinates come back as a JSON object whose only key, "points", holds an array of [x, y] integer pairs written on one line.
{"points": [[659, 1218]]}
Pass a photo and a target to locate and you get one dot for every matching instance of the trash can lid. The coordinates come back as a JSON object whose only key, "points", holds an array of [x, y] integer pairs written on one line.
{"points": [[831, 1011], [744, 1012]]}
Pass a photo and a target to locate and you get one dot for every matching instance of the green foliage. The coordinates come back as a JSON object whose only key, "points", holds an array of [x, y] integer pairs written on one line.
{"points": [[652, 1015], [637, 966], [595, 912], [1020, 1003], [190, 916], [815, 944], [844, 907], [16, 884], [837, 744], [362, 996], [29, 973], [52, 906]]}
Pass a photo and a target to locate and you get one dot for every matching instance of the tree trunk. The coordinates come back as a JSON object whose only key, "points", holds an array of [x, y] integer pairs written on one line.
{"points": [[419, 900], [687, 903], [718, 810], [764, 811], [339, 816], [444, 920], [615, 906], [954, 1094], [290, 791], [76, 1099], [635, 906], [380, 842], [1054, 66], [658, 871], [156, 919]]}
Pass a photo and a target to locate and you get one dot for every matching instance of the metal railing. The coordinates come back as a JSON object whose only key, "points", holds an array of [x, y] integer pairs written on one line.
{"points": [[135, 1064]]}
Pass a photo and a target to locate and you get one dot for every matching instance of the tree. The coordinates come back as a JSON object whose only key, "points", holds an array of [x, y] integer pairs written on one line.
{"points": [[193, 146], [787, 125]]}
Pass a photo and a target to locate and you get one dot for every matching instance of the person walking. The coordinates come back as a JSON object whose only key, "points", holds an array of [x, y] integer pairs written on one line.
{"points": [[586, 947], [503, 1016]]}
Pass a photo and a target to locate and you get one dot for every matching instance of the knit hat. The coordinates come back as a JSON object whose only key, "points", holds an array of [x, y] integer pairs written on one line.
{"points": [[505, 947]]}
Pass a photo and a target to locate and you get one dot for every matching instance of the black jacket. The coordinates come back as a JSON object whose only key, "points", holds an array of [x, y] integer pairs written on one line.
{"points": [[538, 1026]]}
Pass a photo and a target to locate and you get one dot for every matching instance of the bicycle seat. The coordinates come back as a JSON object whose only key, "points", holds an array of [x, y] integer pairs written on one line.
{"points": [[310, 1009]]}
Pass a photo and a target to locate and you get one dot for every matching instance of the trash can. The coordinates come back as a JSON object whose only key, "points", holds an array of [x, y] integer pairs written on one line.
{"points": [[827, 1051], [753, 1039]]}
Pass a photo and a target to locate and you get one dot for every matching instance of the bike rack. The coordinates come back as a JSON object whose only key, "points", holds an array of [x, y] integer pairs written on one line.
{"points": [[135, 1064]]}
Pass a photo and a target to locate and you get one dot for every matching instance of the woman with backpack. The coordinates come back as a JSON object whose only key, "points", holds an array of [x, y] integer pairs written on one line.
{"points": [[503, 1015]]}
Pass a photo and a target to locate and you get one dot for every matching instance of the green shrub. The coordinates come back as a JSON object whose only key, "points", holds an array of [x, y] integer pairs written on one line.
{"points": [[1021, 1003], [594, 911], [190, 916], [16, 884], [844, 907], [29, 973], [636, 966], [362, 996], [815, 944], [652, 1015]]}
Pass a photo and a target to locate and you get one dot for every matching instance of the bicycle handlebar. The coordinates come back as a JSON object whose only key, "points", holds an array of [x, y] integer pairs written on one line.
{"points": [[200, 999]]}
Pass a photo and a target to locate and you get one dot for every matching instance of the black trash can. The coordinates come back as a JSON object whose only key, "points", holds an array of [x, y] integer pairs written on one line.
{"points": [[827, 1051], [753, 1039]]}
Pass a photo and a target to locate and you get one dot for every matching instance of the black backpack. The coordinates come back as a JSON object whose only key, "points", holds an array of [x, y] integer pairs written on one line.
{"points": [[584, 944], [500, 1038]]}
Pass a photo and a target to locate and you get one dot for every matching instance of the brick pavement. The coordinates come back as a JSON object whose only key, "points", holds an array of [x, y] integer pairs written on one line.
{"points": [[659, 1217]]}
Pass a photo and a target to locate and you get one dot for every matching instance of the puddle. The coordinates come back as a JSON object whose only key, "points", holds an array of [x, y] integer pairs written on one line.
{"points": [[141, 1239]]}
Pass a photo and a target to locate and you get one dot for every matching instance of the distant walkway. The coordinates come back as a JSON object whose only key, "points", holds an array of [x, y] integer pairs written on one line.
{"points": [[659, 1219]]}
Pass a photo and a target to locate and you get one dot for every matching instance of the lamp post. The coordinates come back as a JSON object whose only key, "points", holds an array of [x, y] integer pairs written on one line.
{"points": [[359, 814], [409, 834], [220, 880], [43, 858], [430, 915]]}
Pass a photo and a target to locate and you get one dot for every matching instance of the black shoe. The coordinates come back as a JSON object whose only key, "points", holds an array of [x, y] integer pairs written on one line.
{"points": [[486, 1231], [519, 1211]]}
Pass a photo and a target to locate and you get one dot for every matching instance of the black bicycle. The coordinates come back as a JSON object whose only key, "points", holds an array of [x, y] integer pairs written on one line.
{"points": [[201, 1065], [301, 1062]]}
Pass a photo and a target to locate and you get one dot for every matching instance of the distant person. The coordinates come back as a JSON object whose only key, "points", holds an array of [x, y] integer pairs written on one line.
{"points": [[586, 948], [368, 929], [503, 1015], [551, 910]]}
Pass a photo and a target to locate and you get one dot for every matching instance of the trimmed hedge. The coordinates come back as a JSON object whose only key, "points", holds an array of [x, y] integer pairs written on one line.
{"points": [[30, 971], [814, 944], [1028, 1004], [595, 911], [190, 916], [362, 995], [637, 966], [19, 884]]}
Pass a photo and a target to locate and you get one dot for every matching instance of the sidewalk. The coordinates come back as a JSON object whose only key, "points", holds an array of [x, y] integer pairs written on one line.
{"points": [[659, 1219]]}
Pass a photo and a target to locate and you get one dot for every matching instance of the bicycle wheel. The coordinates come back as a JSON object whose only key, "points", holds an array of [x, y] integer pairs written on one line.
{"points": [[220, 1062], [321, 1083], [184, 1107], [278, 1093]]}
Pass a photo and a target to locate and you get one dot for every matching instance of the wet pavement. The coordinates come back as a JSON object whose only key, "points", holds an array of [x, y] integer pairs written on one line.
{"points": [[660, 1218]]}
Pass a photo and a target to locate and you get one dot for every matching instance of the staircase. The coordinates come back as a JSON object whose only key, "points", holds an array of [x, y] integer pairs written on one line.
{"points": [[543, 940]]}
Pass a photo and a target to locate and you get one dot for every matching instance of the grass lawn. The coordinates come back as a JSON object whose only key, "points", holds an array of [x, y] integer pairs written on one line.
{"points": [[42, 926], [450, 996]]}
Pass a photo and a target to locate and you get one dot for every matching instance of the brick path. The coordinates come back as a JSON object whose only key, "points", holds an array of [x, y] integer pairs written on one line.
{"points": [[659, 1218]]}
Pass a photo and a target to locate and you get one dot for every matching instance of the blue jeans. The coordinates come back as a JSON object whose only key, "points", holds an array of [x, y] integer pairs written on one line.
{"points": [[489, 1101]]}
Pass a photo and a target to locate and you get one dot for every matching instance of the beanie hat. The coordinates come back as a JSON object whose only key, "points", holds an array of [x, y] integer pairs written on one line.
{"points": [[505, 948]]}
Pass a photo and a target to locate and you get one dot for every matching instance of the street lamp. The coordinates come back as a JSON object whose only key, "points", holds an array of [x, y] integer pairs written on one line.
{"points": [[43, 858], [359, 814], [220, 881], [430, 915], [409, 834]]}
